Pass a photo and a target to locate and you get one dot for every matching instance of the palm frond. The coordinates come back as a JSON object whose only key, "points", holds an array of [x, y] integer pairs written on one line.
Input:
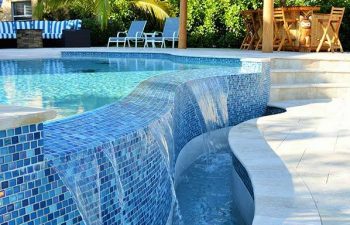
{"points": [[43, 5], [103, 11], [160, 9]]}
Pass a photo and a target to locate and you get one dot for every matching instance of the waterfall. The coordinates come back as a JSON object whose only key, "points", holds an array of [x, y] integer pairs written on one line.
{"points": [[211, 98], [81, 173], [162, 131]]}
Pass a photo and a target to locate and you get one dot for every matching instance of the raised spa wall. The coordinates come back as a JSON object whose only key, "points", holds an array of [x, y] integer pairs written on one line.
{"points": [[31, 192], [116, 165]]}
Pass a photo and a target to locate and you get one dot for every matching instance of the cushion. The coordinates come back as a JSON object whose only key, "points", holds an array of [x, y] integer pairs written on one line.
{"points": [[7, 27], [58, 26], [52, 35], [42, 25], [78, 24], [70, 25], [23, 25], [8, 36], [75, 24]]}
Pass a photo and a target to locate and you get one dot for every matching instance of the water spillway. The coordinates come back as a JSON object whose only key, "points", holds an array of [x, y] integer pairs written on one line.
{"points": [[118, 161]]}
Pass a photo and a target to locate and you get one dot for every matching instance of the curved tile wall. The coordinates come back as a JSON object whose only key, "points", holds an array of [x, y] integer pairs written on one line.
{"points": [[117, 162]]}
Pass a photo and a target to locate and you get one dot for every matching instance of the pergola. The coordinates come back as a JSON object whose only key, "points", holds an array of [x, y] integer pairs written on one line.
{"points": [[267, 45]]}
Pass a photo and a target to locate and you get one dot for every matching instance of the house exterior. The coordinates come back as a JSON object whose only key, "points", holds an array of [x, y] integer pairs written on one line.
{"points": [[16, 9]]}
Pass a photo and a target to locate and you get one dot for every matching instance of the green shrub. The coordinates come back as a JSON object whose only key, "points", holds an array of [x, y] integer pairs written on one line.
{"points": [[100, 37], [211, 23]]}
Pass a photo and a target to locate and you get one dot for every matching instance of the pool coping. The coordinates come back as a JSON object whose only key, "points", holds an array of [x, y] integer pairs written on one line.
{"points": [[276, 200], [17, 116]]}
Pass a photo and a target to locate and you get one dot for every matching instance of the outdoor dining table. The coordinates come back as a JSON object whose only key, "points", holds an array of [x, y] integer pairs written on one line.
{"points": [[300, 15], [296, 14]]}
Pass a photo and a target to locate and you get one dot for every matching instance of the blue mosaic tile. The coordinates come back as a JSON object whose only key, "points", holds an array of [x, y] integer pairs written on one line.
{"points": [[118, 157], [25, 187], [115, 165]]}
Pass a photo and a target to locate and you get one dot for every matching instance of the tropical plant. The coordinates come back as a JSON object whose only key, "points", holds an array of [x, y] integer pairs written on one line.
{"points": [[101, 9]]}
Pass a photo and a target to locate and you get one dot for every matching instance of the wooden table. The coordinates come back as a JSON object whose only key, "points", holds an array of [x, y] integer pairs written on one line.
{"points": [[297, 14], [306, 11]]}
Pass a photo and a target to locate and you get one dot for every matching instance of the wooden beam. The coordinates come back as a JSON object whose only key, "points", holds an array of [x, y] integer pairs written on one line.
{"points": [[183, 25], [267, 45]]}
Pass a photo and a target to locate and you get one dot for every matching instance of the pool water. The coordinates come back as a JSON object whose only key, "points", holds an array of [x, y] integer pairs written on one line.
{"points": [[205, 191], [71, 86]]}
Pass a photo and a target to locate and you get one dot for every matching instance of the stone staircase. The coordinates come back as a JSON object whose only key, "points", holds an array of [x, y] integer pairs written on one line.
{"points": [[300, 79]]}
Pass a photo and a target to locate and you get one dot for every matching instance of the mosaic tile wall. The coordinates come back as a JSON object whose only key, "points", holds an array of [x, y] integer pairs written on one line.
{"points": [[118, 160], [114, 165], [31, 192]]}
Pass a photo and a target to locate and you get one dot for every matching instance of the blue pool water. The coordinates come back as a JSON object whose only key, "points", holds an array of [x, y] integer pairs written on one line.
{"points": [[205, 193], [72, 86], [115, 164]]}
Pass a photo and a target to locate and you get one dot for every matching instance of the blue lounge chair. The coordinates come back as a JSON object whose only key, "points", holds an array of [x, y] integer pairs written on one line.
{"points": [[170, 33], [135, 34]]}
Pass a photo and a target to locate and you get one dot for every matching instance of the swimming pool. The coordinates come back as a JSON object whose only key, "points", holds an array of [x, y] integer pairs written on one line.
{"points": [[115, 164], [72, 86]]}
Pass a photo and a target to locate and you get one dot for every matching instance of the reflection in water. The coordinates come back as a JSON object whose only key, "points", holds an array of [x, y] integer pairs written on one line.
{"points": [[72, 86]]}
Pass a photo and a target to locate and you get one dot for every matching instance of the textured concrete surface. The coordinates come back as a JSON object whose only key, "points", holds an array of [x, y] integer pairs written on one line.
{"points": [[299, 162]]}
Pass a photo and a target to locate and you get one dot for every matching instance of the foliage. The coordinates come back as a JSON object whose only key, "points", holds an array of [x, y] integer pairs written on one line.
{"points": [[122, 13], [102, 10], [217, 23], [211, 23]]}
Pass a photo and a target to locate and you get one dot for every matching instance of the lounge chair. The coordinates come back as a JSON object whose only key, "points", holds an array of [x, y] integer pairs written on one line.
{"points": [[135, 34], [170, 33]]}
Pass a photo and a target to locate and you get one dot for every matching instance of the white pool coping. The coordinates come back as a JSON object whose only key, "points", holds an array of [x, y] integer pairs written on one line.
{"points": [[298, 163], [200, 52], [17, 116]]}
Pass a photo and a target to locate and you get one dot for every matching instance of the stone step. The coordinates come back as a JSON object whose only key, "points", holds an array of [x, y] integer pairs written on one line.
{"points": [[309, 91], [331, 65], [292, 76]]}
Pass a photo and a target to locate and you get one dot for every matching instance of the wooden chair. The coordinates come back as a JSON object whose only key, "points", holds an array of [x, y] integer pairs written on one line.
{"points": [[259, 32], [282, 25], [250, 36], [331, 29]]}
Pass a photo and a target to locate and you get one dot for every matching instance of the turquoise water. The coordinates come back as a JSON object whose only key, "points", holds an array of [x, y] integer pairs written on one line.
{"points": [[72, 86], [205, 193]]}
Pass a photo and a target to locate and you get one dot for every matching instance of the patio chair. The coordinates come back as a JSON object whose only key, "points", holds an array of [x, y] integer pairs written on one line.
{"points": [[170, 33], [259, 31], [135, 34], [331, 29], [282, 25], [249, 23]]}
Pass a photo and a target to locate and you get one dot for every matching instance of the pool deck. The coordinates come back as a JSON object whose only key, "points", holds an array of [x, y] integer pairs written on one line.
{"points": [[229, 53], [299, 161], [309, 147]]}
